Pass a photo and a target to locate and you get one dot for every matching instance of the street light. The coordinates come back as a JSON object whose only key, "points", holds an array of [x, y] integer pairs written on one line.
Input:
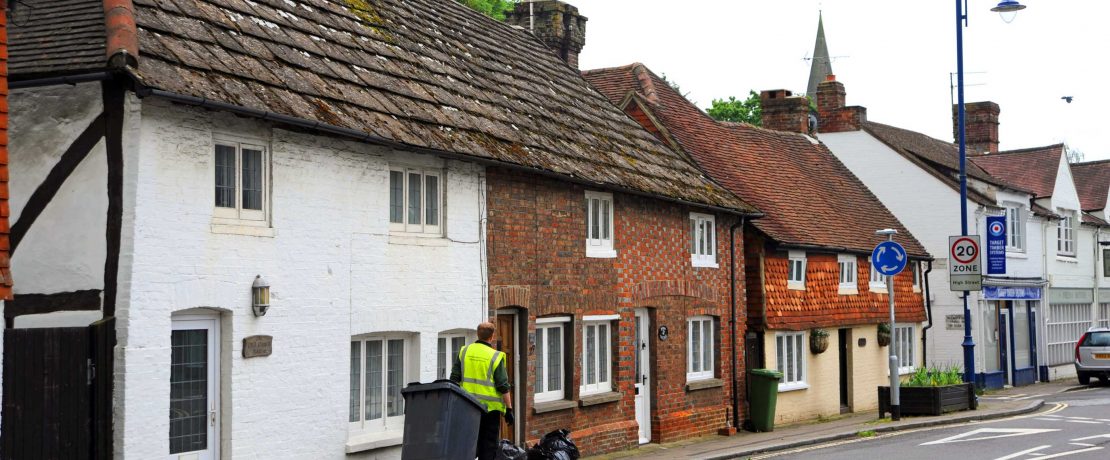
{"points": [[1008, 9]]}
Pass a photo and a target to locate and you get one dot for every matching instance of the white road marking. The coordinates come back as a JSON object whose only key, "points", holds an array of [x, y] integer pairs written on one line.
{"points": [[1046, 419], [1080, 418], [1084, 421], [1019, 454], [1082, 444], [1072, 452], [992, 433], [1091, 437]]}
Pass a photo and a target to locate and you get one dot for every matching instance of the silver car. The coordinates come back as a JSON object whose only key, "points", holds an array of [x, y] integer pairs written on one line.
{"points": [[1092, 355]]}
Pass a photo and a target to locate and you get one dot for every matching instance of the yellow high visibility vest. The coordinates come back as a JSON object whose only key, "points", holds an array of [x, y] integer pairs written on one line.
{"points": [[478, 362]]}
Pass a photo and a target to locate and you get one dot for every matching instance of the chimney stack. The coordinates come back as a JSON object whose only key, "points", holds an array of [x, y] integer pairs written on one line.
{"points": [[557, 24], [782, 111], [981, 125], [833, 114]]}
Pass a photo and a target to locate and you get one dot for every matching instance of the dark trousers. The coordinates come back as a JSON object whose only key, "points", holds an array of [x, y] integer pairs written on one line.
{"points": [[488, 433]]}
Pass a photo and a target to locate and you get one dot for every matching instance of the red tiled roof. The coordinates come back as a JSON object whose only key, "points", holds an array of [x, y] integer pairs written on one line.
{"points": [[1092, 181], [809, 197], [1094, 220], [1034, 169], [432, 75]]}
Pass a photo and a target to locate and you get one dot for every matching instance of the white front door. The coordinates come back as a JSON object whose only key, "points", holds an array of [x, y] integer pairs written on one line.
{"points": [[194, 389], [643, 373]]}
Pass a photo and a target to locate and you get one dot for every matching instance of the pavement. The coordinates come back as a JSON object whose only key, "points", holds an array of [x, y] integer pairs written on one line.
{"points": [[992, 405]]}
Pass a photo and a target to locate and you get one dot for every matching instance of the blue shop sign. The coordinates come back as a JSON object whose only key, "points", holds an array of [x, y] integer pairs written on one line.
{"points": [[1011, 293], [996, 245]]}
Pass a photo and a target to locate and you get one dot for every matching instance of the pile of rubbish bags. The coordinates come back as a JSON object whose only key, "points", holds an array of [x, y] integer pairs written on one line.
{"points": [[555, 445]]}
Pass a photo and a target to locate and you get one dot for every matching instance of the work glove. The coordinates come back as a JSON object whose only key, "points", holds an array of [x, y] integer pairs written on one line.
{"points": [[509, 417]]}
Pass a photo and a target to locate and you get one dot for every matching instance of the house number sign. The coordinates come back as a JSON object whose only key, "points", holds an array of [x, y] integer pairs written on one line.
{"points": [[664, 333], [258, 345]]}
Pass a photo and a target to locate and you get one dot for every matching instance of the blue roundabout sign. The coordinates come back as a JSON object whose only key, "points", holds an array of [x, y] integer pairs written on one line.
{"points": [[889, 258]]}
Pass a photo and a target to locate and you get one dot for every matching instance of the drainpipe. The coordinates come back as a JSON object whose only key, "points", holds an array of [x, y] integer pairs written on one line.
{"points": [[1095, 307], [929, 313], [732, 317]]}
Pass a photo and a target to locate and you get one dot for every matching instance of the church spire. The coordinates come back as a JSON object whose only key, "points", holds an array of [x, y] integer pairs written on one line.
{"points": [[821, 65]]}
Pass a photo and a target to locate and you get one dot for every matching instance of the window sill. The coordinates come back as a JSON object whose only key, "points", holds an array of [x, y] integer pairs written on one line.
{"points": [[704, 384], [906, 370], [1067, 259], [796, 285], [793, 387], [552, 406], [601, 253], [245, 230], [417, 240], [704, 264], [916, 289], [371, 441], [843, 291], [878, 290], [1016, 254], [599, 398]]}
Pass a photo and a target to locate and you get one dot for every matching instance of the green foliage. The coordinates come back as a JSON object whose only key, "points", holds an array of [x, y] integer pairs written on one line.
{"points": [[936, 377], [741, 111], [884, 328], [819, 333], [866, 433], [674, 85], [493, 8]]}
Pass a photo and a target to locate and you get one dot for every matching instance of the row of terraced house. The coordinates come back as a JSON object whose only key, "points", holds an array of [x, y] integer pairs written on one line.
{"points": [[240, 228]]}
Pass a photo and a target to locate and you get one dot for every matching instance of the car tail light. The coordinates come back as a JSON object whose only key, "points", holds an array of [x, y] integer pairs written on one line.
{"points": [[1081, 339]]}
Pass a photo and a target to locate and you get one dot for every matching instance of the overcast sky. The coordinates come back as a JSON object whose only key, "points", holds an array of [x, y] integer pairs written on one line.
{"points": [[894, 57]]}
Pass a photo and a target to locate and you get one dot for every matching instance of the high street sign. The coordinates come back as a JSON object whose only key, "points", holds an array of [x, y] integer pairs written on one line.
{"points": [[965, 270]]}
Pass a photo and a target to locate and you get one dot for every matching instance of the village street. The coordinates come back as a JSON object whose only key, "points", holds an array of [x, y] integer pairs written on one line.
{"points": [[1074, 425]]}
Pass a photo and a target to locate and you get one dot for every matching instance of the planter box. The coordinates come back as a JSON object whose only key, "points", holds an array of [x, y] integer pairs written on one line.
{"points": [[930, 400]]}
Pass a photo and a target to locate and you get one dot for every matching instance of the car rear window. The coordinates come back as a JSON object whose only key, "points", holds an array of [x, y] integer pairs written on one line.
{"points": [[1097, 339]]}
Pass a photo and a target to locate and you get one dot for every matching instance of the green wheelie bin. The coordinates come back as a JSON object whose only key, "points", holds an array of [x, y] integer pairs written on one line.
{"points": [[764, 394]]}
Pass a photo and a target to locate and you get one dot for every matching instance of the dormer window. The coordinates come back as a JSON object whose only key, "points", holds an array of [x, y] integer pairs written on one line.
{"points": [[1065, 234], [599, 225], [796, 270]]}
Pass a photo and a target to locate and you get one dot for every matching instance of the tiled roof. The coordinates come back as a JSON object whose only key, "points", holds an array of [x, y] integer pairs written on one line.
{"points": [[426, 74], [1094, 220], [1092, 181], [1034, 169], [940, 157], [55, 37], [809, 197], [1043, 211]]}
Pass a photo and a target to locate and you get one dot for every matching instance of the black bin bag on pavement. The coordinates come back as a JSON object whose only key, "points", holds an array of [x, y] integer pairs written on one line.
{"points": [[555, 445], [507, 451]]}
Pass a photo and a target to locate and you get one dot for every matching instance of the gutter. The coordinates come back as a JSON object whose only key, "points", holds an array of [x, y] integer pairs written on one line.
{"points": [[143, 92], [732, 317], [65, 80], [929, 313]]}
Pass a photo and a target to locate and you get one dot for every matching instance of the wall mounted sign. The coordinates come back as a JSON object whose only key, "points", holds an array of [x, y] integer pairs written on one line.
{"points": [[258, 345], [1011, 293], [996, 245], [954, 322], [664, 333]]}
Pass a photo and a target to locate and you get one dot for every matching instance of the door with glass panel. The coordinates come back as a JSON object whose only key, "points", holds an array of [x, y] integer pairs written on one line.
{"points": [[194, 389], [643, 373]]}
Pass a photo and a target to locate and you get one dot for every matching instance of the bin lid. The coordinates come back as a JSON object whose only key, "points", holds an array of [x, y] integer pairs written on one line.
{"points": [[442, 386], [770, 373]]}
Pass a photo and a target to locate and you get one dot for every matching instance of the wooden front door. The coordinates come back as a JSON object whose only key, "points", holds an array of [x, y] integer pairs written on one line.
{"points": [[506, 343]]}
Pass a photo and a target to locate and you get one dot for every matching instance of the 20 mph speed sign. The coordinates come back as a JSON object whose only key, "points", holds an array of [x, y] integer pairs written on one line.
{"points": [[965, 268]]}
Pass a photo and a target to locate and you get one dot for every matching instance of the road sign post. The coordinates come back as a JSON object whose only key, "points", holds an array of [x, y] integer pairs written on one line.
{"points": [[889, 259]]}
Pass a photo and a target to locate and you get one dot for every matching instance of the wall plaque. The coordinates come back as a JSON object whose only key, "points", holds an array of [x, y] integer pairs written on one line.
{"points": [[664, 333], [953, 322], [258, 345]]}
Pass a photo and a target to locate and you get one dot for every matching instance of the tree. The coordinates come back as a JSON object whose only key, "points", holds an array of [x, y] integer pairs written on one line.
{"points": [[741, 111], [1075, 156], [493, 8], [674, 85]]}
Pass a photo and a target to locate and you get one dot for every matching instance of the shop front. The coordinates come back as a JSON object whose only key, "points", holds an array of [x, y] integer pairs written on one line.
{"points": [[1010, 333]]}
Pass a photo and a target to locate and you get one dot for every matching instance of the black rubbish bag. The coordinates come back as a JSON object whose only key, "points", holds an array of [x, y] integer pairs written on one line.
{"points": [[507, 451], [555, 445]]}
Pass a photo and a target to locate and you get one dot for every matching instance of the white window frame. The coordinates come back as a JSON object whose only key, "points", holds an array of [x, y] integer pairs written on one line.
{"points": [[796, 270], [237, 215], [602, 245], [915, 272], [785, 342], [1015, 228], [703, 240], [600, 362], [559, 325], [877, 281], [701, 360], [848, 270], [445, 351], [904, 347], [386, 423], [1065, 234], [422, 228]]}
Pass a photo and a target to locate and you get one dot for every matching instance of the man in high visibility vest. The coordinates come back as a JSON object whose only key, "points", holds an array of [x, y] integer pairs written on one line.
{"points": [[480, 370]]}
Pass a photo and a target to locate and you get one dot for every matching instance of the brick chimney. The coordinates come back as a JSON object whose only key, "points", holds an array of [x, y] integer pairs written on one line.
{"points": [[555, 23], [981, 125], [783, 111], [833, 115]]}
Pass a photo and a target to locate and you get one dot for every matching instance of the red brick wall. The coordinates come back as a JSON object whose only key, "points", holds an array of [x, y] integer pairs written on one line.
{"points": [[537, 262], [5, 264], [820, 305], [832, 114]]}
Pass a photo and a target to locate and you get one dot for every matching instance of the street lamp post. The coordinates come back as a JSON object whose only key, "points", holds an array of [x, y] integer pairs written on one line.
{"points": [[1008, 9]]}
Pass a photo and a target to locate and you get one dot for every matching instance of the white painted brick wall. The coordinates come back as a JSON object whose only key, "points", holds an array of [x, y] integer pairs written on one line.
{"points": [[334, 269]]}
